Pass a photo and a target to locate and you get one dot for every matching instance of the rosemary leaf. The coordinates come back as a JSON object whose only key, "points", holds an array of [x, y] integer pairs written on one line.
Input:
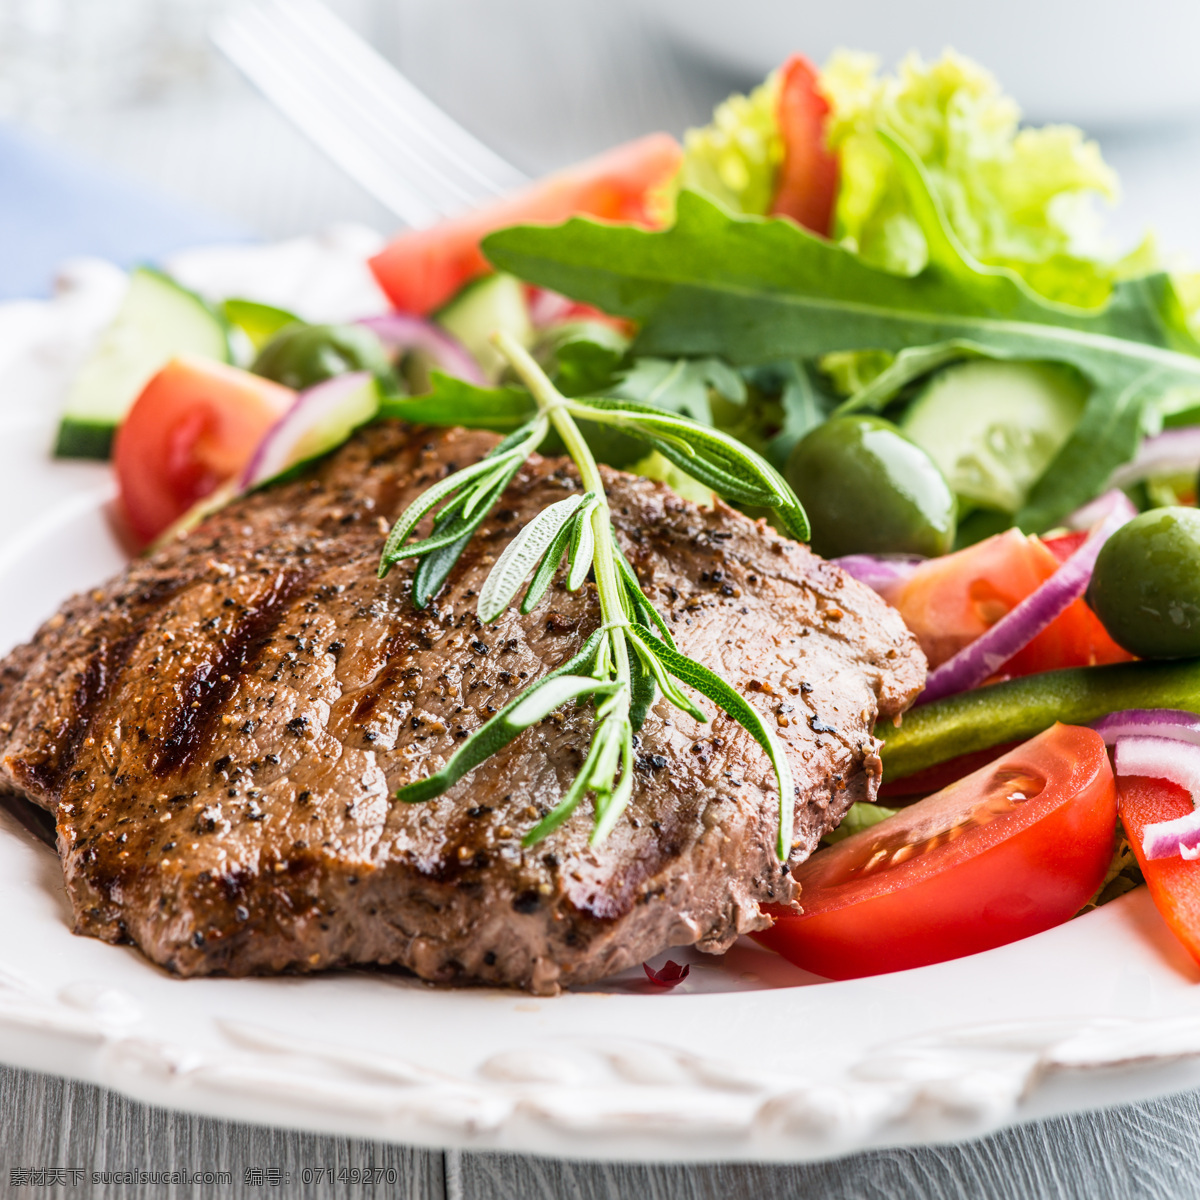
{"points": [[522, 555], [611, 804], [424, 503], [498, 732], [583, 547], [643, 690], [710, 684], [434, 569], [547, 568], [645, 612], [662, 677]]}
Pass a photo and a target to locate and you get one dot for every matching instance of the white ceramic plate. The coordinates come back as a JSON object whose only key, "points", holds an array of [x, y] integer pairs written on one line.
{"points": [[748, 1059]]}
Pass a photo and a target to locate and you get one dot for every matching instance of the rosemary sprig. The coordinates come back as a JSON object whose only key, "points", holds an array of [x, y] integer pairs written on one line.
{"points": [[623, 664]]}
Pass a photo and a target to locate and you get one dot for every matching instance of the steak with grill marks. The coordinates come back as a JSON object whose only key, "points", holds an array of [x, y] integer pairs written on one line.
{"points": [[220, 731]]}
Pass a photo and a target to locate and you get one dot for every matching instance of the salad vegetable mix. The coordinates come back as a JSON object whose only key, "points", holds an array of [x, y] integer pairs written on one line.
{"points": [[873, 309]]}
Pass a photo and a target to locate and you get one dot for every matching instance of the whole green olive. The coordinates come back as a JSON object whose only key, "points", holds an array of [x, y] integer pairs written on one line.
{"points": [[301, 355], [867, 489], [1146, 584]]}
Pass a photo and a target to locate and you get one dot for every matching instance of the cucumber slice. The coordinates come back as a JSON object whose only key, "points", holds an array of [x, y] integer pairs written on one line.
{"points": [[158, 319], [994, 427], [482, 307]]}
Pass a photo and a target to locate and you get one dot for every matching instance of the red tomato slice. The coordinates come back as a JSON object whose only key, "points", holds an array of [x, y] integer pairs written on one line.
{"points": [[934, 779], [1065, 544], [1174, 883], [948, 602], [808, 179], [1016, 848], [421, 270], [194, 426]]}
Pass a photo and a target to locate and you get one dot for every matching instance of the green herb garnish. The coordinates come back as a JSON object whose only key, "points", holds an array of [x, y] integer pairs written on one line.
{"points": [[623, 664]]}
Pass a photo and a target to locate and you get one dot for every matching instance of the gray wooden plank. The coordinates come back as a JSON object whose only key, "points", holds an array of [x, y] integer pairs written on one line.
{"points": [[1142, 1152], [46, 1122]]}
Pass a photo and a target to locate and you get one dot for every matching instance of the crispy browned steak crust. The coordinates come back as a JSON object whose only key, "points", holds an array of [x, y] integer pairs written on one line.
{"points": [[221, 728]]}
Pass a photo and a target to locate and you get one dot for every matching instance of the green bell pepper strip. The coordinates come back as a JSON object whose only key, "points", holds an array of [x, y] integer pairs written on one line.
{"points": [[1020, 708]]}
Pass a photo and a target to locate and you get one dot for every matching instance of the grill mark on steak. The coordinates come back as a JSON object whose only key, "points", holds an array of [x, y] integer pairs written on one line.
{"points": [[390, 674], [92, 688], [291, 853], [212, 683]]}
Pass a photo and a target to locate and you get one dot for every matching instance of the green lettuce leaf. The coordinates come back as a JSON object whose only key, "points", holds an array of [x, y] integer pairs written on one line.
{"points": [[736, 158], [1020, 198], [754, 290]]}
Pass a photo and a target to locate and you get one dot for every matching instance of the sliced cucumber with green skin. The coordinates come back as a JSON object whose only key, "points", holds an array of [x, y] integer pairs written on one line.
{"points": [[994, 427], [482, 308], [158, 320]]}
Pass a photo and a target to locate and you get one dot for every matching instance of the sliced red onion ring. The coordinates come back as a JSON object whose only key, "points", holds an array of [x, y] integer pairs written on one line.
{"points": [[880, 572], [320, 419], [1173, 723], [1096, 510], [399, 331], [1014, 631], [1171, 452], [1177, 762]]}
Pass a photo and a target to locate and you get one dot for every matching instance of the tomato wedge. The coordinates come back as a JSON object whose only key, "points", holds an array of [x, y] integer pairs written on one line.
{"points": [[421, 270], [1013, 849], [194, 426], [948, 602], [806, 188], [934, 779], [1174, 883]]}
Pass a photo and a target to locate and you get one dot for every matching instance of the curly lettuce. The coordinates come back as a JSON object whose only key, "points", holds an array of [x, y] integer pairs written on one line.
{"points": [[1016, 197], [735, 159]]}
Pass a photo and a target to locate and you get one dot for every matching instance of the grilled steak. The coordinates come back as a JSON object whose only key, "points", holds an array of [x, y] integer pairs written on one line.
{"points": [[220, 731]]}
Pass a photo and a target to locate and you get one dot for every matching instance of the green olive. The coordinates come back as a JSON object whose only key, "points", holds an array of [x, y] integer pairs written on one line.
{"points": [[867, 489], [300, 355], [1146, 584]]}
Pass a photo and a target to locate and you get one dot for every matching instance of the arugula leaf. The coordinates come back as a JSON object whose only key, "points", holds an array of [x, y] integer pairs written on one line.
{"points": [[582, 356], [755, 290], [681, 385], [455, 402], [786, 400]]}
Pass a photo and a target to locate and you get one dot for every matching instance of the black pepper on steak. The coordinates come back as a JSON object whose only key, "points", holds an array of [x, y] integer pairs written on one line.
{"points": [[262, 650]]}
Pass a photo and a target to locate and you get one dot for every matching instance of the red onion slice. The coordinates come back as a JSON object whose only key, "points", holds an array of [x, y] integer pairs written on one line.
{"points": [[1014, 631], [1173, 723], [1177, 762], [1096, 510], [880, 572], [1171, 452], [669, 975], [399, 331], [321, 418]]}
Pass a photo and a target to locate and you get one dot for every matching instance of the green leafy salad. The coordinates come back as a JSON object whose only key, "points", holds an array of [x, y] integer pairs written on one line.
{"points": [[958, 236]]}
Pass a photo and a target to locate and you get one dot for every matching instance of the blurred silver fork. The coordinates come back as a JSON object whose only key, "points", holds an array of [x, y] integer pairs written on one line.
{"points": [[362, 112]]}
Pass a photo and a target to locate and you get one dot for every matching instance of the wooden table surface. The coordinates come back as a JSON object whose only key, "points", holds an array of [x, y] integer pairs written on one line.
{"points": [[545, 82]]}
